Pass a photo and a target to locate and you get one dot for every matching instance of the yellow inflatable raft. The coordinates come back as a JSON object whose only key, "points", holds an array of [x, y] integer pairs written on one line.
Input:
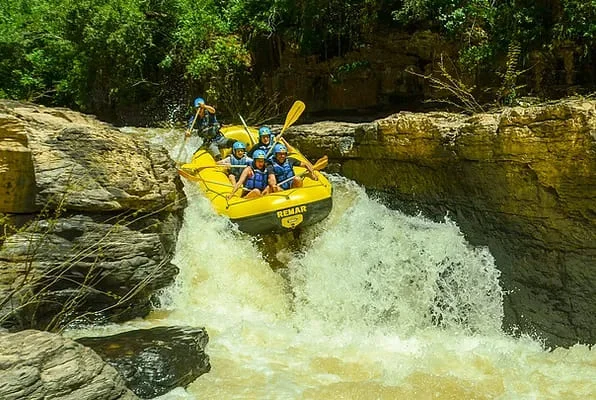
{"points": [[274, 212]]}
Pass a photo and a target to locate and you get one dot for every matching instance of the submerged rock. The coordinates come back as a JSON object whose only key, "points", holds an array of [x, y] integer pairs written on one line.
{"points": [[521, 180], [42, 365], [155, 361]]}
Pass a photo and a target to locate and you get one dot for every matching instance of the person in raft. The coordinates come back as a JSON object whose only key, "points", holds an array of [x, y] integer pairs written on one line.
{"points": [[255, 178], [207, 127], [265, 141], [236, 161], [282, 167]]}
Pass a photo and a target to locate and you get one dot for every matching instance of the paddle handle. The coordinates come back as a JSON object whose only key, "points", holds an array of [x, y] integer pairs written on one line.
{"points": [[252, 142], [187, 134], [319, 165]]}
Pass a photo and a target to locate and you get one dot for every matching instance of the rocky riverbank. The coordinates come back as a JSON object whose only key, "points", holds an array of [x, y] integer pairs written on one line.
{"points": [[91, 218]]}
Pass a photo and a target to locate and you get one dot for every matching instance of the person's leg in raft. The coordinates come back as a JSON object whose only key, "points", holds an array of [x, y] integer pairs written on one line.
{"points": [[214, 150], [253, 194]]}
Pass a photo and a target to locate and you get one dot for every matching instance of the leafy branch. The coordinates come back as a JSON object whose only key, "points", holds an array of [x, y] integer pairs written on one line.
{"points": [[509, 89]]}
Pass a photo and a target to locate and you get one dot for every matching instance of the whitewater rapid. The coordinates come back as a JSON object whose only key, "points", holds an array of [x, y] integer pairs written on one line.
{"points": [[368, 304], [372, 304]]}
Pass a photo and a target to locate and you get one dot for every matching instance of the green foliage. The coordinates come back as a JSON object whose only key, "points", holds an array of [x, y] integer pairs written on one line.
{"points": [[508, 92], [223, 54], [414, 11], [469, 22], [111, 42], [35, 55], [447, 80], [254, 17], [577, 23], [485, 28], [332, 27], [98, 55], [487, 31]]}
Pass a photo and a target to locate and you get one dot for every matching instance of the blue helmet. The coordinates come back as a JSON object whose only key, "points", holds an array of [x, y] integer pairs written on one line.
{"points": [[238, 145], [259, 155], [280, 148], [198, 101], [264, 131]]}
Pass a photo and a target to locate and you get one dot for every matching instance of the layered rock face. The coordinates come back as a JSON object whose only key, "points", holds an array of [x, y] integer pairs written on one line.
{"points": [[522, 181], [17, 178], [91, 217], [42, 365]]}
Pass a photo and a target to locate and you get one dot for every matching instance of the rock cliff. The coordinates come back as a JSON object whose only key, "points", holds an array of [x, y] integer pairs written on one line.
{"points": [[521, 181], [91, 217]]}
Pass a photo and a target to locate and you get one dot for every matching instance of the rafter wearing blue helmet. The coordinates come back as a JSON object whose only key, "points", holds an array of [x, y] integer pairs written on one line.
{"points": [[282, 167], [237, 161], [265, 141], [206, 127], [254, 178]]}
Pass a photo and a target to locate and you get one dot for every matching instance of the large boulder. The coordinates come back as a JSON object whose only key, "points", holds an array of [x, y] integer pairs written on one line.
{"points": [[157, 360], [41, 365], [92, 216], [521, 180]]}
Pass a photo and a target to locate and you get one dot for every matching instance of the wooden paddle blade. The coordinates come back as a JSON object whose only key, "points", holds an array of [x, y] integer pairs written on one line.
{"points": [[294, 113], [321, 163], [188, 175]]}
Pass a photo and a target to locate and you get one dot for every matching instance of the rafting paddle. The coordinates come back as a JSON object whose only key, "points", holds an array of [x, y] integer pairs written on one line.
{"points": [[197, 169], [188, 175], [294, 113], [252, 142], [187, 135]]}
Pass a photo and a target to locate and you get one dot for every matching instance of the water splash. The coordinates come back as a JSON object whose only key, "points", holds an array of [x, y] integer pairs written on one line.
{"points": [[374, 305], [381, 269], [223, 274]]}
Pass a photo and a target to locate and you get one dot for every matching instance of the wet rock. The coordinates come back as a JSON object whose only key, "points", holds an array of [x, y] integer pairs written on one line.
{"points": [[521, 180], [42, 365], [155, 361], [100, 266]]}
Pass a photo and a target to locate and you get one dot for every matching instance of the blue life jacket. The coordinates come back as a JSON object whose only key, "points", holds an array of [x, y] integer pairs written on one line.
{"points": [[283, 172], [258, 180], [244, 161], [207, 127]]}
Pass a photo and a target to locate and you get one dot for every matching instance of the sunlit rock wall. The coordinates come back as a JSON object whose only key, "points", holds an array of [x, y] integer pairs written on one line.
{"points": [[17, 178], [521, 180]]}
